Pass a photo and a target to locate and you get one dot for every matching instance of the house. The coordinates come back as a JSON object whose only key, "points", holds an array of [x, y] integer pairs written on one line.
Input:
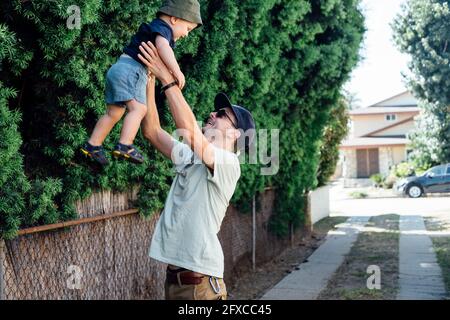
{"points": [[377, 138]]}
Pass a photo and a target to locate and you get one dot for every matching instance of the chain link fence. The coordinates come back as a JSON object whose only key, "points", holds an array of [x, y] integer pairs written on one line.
{"points": [[104, 254], [98, 257]]}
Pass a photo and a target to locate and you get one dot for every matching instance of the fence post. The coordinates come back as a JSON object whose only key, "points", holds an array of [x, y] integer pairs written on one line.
{"points": [[254, 233], [308, 213], [2, 271]]}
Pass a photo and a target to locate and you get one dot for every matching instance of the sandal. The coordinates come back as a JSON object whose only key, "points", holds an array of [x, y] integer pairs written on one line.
{"points": [[128, 152], [96, 153]]}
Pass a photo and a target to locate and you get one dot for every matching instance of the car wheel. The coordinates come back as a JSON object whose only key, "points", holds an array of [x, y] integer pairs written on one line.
{"points": [[414, 191]]}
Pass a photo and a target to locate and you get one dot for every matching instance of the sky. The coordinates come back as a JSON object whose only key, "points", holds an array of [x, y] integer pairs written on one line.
{"points": [[378, 75]]}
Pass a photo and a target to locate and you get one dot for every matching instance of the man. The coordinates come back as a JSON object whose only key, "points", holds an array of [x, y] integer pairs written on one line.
{"points": [[207, 170]]}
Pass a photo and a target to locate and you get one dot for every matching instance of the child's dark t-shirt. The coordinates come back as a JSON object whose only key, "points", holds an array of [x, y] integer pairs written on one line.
{"points": [[148, 32]]}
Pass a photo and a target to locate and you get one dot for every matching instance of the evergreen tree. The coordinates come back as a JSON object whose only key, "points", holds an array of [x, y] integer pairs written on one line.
{"points": [[426, 150], [13, 183], [422, 31]]}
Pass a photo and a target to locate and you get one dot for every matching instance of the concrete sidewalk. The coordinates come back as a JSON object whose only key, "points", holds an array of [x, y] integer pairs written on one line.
{"points": [[420, 275], [313, 276]]}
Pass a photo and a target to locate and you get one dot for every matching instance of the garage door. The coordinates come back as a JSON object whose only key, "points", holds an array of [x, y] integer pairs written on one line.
{"points": [[367, 162]]}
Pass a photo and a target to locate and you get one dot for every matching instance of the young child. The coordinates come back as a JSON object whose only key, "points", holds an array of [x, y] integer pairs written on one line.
{"points": [[126, 80]]}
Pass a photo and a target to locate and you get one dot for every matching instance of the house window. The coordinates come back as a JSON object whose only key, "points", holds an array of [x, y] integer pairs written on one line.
{"points": [[391, 117]]}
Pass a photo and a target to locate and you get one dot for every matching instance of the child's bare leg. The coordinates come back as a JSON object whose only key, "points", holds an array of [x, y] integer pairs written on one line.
{"points": [[132, 121], [105, 124]]}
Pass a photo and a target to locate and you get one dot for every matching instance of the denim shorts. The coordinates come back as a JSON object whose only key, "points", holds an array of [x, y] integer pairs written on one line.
{"points": [[126, 80]]}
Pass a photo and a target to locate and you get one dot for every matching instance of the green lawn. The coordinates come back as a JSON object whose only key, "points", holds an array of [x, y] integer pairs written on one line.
{"points": [[371, 248], [441, 245]]}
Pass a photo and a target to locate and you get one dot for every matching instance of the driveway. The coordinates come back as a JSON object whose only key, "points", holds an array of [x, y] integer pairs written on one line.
{"points": [[341, 204]]}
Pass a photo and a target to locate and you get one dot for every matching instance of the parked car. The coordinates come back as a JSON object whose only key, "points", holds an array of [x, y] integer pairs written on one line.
{"points": [[436, 179]]}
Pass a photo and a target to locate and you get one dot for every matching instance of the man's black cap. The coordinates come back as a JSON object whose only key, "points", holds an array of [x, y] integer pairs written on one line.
{"points": [[243, 116]]}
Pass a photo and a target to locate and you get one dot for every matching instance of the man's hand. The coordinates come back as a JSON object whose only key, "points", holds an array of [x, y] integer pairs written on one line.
{"points": [[155, 65], [180, 77]]}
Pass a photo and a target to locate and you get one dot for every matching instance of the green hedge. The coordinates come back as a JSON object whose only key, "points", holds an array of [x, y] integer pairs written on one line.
{"points": [[284, 60]]}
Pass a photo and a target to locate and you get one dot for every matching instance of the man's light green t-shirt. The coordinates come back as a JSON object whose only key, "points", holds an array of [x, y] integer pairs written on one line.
{"points": [[186, 232]]}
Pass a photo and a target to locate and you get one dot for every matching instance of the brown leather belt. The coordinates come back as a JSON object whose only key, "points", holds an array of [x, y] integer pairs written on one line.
{"points": [[183, 276]]}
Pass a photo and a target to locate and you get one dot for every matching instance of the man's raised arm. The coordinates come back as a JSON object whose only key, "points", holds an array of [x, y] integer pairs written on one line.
{"points": [[151, 127], [182, 114]]}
